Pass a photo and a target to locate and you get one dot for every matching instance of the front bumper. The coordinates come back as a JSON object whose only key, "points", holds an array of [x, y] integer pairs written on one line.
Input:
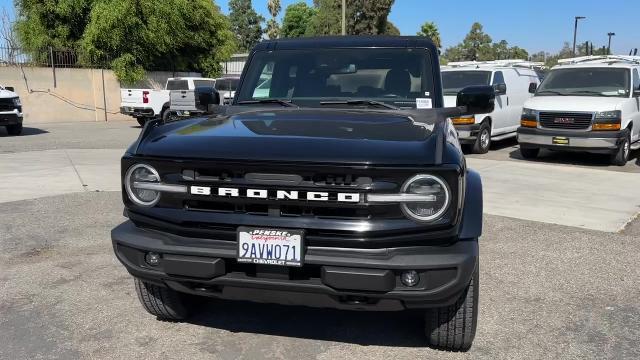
{"points": [[595, 141], [10, 118], [467, 133], [344, 278]]}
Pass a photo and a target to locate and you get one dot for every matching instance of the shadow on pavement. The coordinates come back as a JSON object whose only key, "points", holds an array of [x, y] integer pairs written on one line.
{"points": [[26, 131], [405, 328], [574, 158]]}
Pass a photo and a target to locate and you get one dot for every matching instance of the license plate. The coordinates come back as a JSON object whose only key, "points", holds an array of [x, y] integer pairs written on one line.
{"points": [[560, 140], [268, 246]]}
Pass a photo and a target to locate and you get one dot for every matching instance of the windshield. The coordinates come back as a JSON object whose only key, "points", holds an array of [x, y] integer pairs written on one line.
{"points": [[581, 81], [454, 81], [227, 84], [308, 77]]}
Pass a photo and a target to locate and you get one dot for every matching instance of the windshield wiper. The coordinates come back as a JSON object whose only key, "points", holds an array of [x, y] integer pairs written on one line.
{"points": [[360, 102], [552, 92], [590, 92], [282, 102]]}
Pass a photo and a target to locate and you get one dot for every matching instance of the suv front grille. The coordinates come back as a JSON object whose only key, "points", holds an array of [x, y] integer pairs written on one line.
{"points": [[6, 104], [566, 120]]}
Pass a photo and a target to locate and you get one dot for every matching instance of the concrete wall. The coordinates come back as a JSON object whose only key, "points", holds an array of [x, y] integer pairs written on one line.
{"points": [[78, 94]]}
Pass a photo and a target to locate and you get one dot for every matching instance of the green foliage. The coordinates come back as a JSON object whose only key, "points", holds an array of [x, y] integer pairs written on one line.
{"points": [[44, 23], [246, 24], [296, 19], [273, 30], [182, 35], [391, 29], [430, 29], [477, 46], [363, 17]]}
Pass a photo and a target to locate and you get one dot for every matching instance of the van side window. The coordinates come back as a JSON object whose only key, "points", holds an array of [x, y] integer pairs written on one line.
{"points": [[498, 78], [636, 79]]}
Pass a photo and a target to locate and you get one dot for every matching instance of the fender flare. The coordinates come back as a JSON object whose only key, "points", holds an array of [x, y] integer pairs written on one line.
{"points": [[471, 225]]}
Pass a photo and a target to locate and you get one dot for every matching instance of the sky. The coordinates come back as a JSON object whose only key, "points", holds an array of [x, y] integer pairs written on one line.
{"points": [[541, 25]]}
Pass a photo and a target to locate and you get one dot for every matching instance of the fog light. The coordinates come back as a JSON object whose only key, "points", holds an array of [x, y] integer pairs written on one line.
{"points": [[152, 258], [410, 278]]}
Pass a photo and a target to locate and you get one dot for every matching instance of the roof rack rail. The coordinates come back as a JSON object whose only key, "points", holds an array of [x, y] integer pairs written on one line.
{"points": [[602, 59], [507, 62]]}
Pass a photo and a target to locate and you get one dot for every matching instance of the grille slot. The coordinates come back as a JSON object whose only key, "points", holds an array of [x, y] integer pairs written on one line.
{"points": [[6, 104], [566, 120]]}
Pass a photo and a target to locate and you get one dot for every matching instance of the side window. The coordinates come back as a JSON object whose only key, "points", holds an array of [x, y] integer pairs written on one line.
{"points": [[177, 85], [636, 79], [498, 78]]}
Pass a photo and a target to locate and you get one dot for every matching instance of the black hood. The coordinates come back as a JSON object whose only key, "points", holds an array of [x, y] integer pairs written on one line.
{"points": [[300, 135]]}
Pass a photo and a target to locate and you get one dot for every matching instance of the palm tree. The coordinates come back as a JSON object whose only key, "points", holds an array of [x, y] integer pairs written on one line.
{"points": [[430, 30]]}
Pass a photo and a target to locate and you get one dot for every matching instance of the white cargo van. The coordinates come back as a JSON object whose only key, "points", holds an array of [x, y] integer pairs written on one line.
{"points": [[589, 104], [513, 80]]}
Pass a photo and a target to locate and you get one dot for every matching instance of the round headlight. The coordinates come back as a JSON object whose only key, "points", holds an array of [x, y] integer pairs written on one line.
{"points": [[436, 193], [134, 181]]}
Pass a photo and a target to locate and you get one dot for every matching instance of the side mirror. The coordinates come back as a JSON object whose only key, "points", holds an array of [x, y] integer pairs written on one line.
{"points": [[477, 99], [206, 96], [10, 88], [500, 89], [532, 88]]}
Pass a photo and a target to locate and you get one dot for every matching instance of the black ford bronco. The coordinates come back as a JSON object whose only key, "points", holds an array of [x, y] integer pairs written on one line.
{"points": [[334, 179]]}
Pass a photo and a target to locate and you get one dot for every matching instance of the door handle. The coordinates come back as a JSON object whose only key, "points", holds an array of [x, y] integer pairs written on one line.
{"points": [[507, 101]]}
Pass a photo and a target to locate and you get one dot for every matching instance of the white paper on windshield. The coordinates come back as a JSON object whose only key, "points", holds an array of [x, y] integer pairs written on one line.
{"points": [[423, 103]]}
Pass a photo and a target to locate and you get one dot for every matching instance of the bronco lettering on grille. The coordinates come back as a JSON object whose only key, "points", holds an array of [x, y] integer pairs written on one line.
{"points": [[275, 194]]}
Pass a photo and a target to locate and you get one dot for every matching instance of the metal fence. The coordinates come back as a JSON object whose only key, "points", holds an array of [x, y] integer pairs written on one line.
{"points": [[50, 57]]}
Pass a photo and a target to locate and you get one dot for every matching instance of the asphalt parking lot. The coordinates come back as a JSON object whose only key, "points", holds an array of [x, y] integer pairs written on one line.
{"points": [[563, 286]]}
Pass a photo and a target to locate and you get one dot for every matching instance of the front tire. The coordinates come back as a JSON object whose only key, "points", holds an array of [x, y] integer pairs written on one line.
{"points": [[621, 156], [453, 327], [15, 129], [164, 303], [483, 141]]}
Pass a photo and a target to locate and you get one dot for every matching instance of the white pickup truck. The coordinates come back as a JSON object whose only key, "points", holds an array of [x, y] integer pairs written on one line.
{"points": [[146, 104]]}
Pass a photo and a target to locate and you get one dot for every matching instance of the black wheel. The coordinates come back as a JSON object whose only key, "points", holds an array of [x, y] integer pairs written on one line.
{"points": [[529, 153], [483, 141], [621, 156], [15, 129], [166, 115], [141, 121], [453, 327], [160, 301]]}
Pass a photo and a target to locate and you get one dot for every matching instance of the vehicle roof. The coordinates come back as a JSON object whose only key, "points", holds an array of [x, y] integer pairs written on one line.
{"points": [[625, 65], [346, 41]]}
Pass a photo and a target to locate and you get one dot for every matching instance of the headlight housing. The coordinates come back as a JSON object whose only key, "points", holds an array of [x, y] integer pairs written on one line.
{"points": [[16, 101], [607, 120], [134, 182], [529, 113], [614, 114], [529, 118], [434, 189]]}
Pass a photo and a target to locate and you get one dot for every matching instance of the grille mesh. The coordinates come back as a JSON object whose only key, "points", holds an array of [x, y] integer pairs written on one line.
{"points": [[566, 120]]}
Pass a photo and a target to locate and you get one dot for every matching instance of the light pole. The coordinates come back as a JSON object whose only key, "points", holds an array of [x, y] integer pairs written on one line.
{"points": [[609, 47], [575, 33], [344, 11]]}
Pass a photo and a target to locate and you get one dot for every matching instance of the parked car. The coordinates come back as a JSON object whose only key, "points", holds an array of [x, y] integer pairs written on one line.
{"points": [[227, 87], [10, 110], [146, 104], [344, 187], [186, 101], [511, 79], [585, 104]]}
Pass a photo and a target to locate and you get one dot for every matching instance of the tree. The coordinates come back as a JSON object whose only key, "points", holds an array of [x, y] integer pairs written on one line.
{"points": [[297, 18], [44, 23], [157, 35], [246, 24], [391, 29], [273, 30], [430, 29], [363, 17], [477, 45], [8, 36]]}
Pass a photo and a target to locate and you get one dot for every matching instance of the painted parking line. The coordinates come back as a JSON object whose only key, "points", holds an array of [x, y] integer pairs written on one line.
{"points": [[574, 196]]}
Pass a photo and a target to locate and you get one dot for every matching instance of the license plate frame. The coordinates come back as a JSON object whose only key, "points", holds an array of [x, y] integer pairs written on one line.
{"points": [[265, 255], [560, 140]]}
